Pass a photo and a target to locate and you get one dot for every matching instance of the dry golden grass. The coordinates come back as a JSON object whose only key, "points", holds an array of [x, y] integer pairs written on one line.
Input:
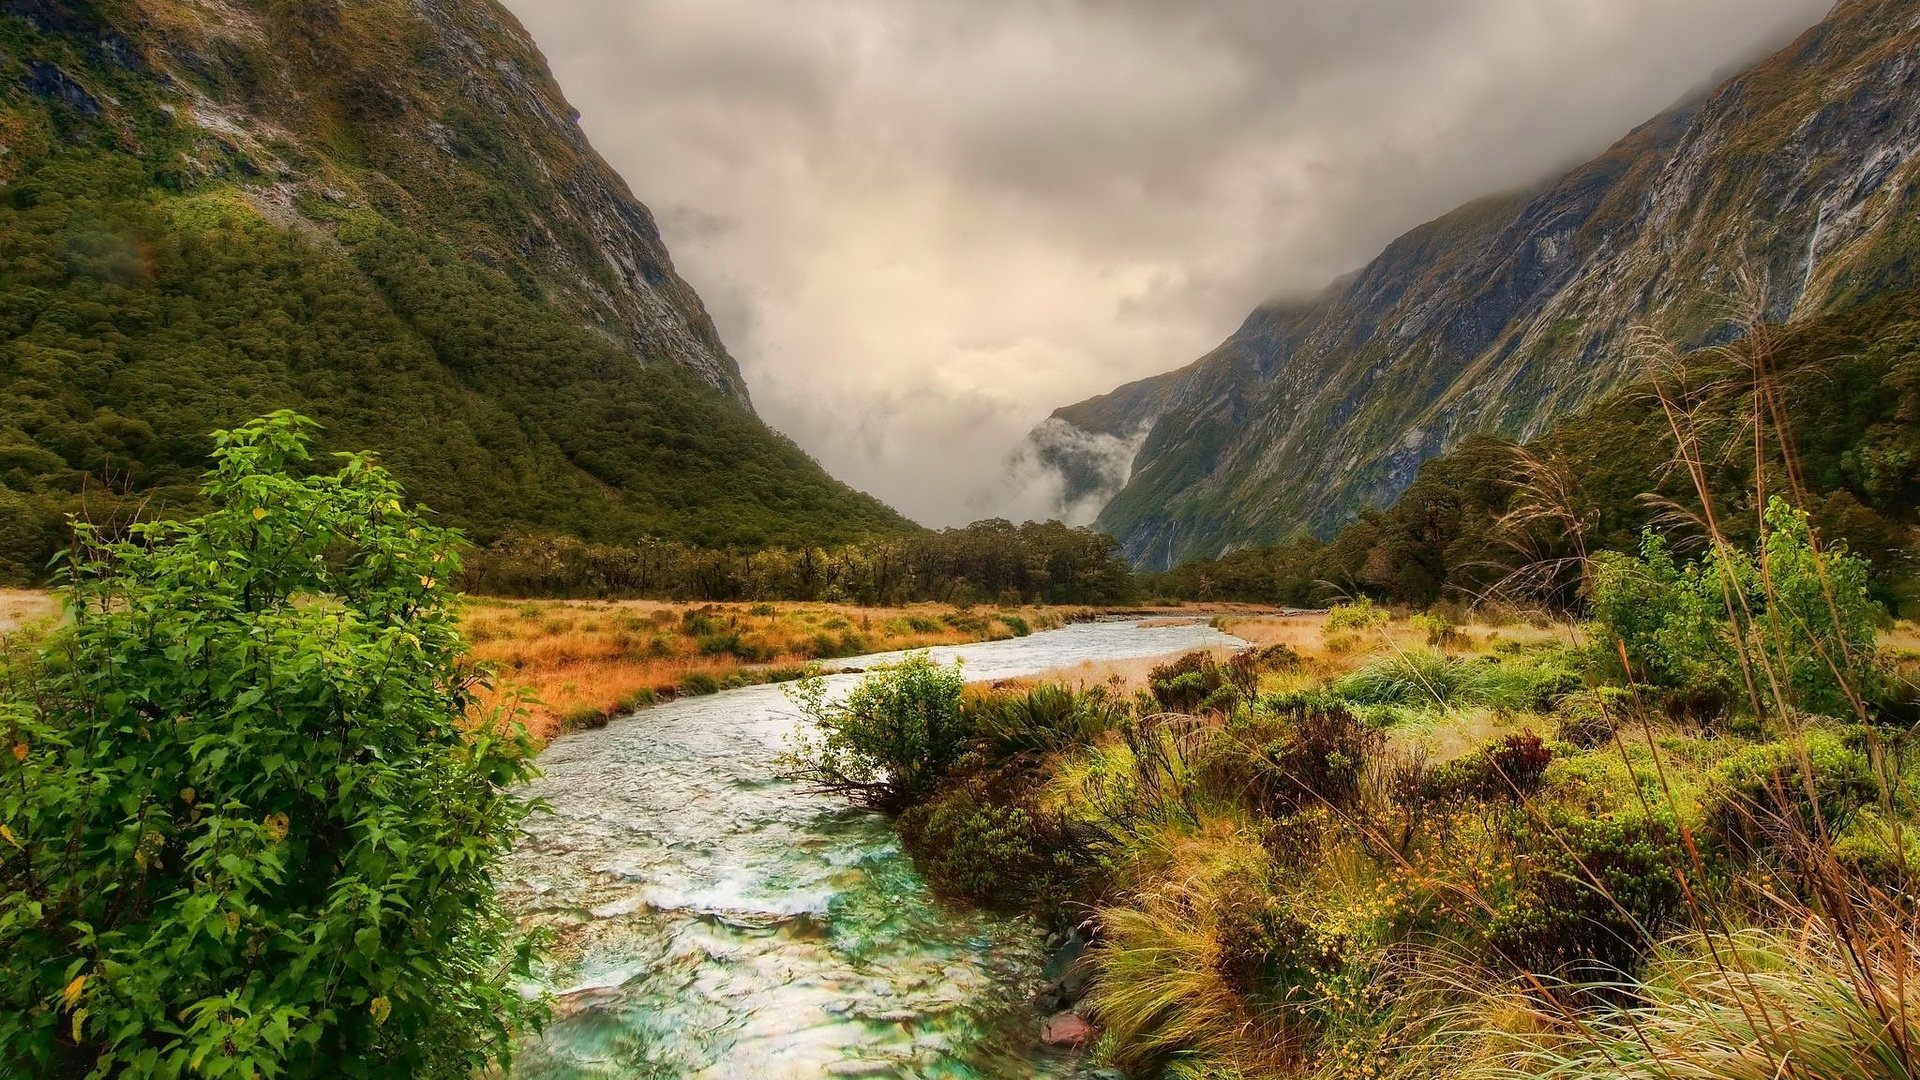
{"points": [[20, 607], [576, 660], [1338, 652], [1902, 638]]}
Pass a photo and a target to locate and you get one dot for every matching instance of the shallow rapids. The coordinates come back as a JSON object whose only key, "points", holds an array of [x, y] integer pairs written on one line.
{"points": [[713, 922]]}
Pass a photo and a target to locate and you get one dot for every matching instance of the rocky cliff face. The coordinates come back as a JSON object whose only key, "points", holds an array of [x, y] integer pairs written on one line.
{"points": [[1798, 174]]}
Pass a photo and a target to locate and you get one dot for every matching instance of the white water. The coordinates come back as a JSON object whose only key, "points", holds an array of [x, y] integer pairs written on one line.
{"points": [[714, 922]]}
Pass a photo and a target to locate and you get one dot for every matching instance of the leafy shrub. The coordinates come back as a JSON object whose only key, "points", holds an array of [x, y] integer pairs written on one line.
{"points": [[1682, 629], [1441, 632], [1510, 766], [1588, 717], [1758, 797], [1361, 614], [248, 827], [971, 848], [763, 610], [921, 624], [1593, 893], [890, 743], [719, 643], [1197, 682], [1281, 658], [1304, 750], [1019, 626], [1874, 849]]}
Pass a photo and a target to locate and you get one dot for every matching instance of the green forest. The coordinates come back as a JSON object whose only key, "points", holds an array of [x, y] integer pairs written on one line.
{"points": [[146, 302]]}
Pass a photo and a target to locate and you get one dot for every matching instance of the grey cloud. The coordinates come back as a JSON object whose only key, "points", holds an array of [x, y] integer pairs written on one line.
{"points": [[923, 224]]}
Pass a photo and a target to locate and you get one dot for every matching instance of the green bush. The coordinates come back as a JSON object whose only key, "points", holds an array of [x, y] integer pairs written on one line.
{"points": [[1759, 798], [1441, 632], [1361, 614], [1015, 623], [1593, 894], [972, 848], [893, 739], [1874, 849], [698, 684], [1198, 683], [248, 828], [724, 643], [1801, 619], [1588, 718], [1508, 767], [1296, 752]]}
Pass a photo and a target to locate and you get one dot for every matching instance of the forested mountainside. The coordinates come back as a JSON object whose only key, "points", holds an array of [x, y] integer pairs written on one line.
{"points": [[1798, 174], [1492, 519], [385, 215]]}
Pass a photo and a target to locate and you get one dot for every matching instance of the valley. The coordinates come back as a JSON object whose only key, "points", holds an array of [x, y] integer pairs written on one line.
{"points": [[419, 657]]}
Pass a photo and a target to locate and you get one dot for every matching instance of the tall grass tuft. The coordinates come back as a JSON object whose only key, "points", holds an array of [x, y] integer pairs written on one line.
{"points": [[1753, 1004]]}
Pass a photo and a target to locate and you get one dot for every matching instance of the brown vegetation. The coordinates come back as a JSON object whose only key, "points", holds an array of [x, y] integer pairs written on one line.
{"points": [[579, 663]]}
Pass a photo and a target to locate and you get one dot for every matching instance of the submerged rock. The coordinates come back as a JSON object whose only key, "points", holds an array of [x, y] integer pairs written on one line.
{"points": [[1067, 1030]]}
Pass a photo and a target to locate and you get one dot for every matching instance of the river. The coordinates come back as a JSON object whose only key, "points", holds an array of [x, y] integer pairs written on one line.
{"points": [[711, 921]]}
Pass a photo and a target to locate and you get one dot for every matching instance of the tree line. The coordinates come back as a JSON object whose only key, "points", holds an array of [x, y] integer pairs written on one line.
{"points": [[993, 561]]}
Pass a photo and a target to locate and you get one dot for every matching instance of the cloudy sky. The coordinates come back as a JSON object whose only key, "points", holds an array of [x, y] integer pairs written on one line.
{"points": [[922, 225]]}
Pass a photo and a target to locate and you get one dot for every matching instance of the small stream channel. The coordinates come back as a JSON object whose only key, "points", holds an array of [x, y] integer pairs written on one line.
{"points": [[714, 922]]}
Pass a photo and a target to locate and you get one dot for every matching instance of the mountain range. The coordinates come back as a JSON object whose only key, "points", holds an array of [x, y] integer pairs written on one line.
{"points": [[1790, 187], [383, 214]]}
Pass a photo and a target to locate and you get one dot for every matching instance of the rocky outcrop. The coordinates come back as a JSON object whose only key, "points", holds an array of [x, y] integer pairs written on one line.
{"points": [[1799, 174]]}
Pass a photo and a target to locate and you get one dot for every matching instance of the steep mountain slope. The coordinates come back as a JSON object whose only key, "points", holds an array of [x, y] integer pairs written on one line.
{"points": [[1514, 310], [382, 213], [1842, 390]]}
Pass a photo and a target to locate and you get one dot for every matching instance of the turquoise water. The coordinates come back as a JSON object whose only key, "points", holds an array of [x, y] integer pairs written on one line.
{"points": [[713, 922]]}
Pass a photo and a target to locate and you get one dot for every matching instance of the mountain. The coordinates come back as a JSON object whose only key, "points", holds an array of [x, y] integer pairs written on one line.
{"points": [[1798, 173], [1840, 408], [383, 214]]}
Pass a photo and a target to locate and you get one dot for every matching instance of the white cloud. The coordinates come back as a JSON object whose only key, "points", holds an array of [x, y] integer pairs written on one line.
{"points": [[921, 225]]}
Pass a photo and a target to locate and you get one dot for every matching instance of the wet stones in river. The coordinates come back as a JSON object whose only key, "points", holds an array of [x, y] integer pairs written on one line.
{"points": [[1067, 1031]]}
